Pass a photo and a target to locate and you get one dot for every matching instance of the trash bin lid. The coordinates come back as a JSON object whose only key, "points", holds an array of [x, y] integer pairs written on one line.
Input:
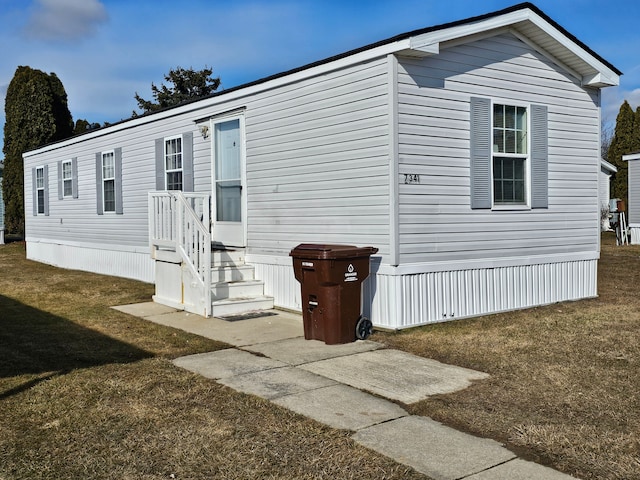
{"points": [[330, 252]]}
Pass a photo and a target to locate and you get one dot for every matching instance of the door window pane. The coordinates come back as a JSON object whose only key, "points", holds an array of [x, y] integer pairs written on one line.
{"points": [[227, 139], [228, 172], [229, 201]]}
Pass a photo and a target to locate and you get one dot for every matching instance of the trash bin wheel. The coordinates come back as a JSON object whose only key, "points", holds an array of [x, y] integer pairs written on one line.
{"points": [[363, 328]]}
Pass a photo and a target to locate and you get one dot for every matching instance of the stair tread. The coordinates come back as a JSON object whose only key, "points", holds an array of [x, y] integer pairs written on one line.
{"points": [[238, 282], [243, 299]]}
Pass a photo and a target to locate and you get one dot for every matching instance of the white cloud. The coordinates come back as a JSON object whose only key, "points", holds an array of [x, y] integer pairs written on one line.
{"points": [[64, 20]]}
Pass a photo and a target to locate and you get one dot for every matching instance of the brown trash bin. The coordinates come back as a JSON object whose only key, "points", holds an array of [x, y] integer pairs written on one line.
{"points": [[330, 279]]}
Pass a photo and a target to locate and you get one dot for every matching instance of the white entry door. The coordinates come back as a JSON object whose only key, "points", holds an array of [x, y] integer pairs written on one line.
{"points": [[228, 225]]}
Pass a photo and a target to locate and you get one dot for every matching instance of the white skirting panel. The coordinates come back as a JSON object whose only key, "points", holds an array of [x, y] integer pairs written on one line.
{"points": [[635, 235], [279, 280], [401, 301], [127, 263], [395, 301]]}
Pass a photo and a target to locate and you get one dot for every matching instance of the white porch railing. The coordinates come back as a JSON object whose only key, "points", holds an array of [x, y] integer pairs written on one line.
{"points": [[180, 222]]}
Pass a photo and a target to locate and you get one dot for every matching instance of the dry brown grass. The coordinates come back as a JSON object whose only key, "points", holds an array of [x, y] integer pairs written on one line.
{"points": [[565, 379], [87, 392]]}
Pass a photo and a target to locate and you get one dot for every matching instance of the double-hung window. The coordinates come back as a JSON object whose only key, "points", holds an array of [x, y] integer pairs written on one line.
{"points": [[40, 191], [173, 163], [509, 165], [67, 178], [109, 182], [510, 155]]}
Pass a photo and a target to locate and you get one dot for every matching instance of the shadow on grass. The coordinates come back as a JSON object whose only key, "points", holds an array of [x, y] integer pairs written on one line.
{"points": [[34, 342]]}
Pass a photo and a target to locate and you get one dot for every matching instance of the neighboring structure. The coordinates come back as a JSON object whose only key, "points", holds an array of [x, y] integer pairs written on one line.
{"points": [[633, 192], [467, 153], [1, 205], [606, 170]]}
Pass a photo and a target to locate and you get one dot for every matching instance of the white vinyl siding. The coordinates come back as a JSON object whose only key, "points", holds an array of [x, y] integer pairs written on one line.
{"points": [[318, 162], [317, 167], [436, 222]]}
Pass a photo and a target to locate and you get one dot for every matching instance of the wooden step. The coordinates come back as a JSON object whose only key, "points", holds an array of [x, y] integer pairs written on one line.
{"points": [[232, 273], [234, 306], [243, 288], [223, 258]]}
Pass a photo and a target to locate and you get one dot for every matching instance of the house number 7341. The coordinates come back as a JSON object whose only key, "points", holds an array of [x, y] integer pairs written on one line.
{"points": [[411, 178]]}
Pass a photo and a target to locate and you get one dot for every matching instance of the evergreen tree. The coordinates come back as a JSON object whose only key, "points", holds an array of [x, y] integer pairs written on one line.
{"points": [[188, 84], [626, 139], [36, 113]]}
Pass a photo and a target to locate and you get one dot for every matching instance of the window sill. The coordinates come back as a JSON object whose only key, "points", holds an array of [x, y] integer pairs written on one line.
{"points": [[501, 208]]}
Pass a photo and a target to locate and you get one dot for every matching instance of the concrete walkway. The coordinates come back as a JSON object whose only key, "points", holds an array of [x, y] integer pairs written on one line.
{"points": [[354, 386]]}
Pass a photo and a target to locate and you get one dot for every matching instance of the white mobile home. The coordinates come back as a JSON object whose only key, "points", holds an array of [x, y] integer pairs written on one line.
{"points": [[606, 171], [633, 193], [467, 153]]}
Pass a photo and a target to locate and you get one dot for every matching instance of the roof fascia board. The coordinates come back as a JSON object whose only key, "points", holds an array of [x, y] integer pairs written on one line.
{"points": [[607, 77], [482, 26], [631, 156], [549, 56], [604, 77]]}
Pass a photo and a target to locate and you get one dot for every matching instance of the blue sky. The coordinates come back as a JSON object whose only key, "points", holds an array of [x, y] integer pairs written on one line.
{"points": [[105, 51]]}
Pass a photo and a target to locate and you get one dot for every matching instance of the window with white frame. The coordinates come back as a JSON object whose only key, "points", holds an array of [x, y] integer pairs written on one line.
{"points": [[109, 181], [173, 163], [40, 191], [67, 178], [510, 155]]}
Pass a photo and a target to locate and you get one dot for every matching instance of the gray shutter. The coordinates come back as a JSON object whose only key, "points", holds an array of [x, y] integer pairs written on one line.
{"points": [[187, 162], [480, 159], [117, 154], [74, 176], [160, 183], [539, 157], [60, 182], [46, 190], [35, 192], [99, 203]]}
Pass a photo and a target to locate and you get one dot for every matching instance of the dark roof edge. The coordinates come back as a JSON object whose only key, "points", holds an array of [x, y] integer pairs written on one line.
{"points": [[402, 36]]}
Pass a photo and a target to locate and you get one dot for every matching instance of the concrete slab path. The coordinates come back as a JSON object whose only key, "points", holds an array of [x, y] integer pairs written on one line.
{"points": [[352, 386], [396, 375]]}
